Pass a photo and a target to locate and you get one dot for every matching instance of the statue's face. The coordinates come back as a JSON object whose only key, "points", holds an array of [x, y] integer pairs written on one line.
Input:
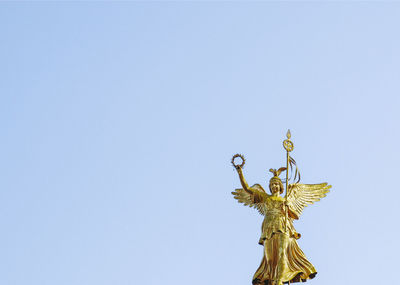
{"points": [[275, 187]]}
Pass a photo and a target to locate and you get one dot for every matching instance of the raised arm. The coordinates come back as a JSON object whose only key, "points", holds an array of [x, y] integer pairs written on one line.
{"points": [[253, 196], [243, 181]]}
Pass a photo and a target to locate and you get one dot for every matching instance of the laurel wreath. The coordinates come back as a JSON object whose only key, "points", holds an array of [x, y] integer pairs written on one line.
{"points": [[241, 157]]}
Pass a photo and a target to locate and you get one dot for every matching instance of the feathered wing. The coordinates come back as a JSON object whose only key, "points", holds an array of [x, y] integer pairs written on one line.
{"points": [[302, 195], [248, 200]]}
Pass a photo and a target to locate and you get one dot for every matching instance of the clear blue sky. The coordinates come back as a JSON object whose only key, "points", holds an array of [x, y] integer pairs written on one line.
{"points": [[118, 122]]}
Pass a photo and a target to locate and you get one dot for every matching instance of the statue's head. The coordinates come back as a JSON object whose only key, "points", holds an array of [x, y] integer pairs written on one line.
{"points": [[275, 183]]}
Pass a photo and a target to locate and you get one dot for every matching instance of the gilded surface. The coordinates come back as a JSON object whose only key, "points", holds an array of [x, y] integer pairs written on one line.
{"points": [[283, 260]]}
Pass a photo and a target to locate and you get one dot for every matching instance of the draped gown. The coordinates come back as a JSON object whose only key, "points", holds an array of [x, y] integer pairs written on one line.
{"points": [[283, 260]]}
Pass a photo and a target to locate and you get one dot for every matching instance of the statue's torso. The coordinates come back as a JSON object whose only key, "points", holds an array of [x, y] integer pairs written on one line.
{"points": [[274, 220]]}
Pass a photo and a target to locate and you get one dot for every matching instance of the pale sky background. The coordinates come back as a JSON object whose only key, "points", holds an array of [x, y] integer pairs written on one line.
{"points": [[118, 122]]}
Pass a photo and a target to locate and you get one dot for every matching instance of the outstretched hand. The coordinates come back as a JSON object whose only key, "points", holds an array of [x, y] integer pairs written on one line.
{"points": [[238, 167]]}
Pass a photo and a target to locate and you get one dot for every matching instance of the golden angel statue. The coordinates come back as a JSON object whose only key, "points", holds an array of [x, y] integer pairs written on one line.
{"points": [[283, 260]]}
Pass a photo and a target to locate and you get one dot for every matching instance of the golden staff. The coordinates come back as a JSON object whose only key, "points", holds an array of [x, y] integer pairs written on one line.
{"points": [[288, 146]]}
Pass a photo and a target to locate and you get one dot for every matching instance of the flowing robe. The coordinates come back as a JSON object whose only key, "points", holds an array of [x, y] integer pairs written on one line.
{"points": [[283, 260]]}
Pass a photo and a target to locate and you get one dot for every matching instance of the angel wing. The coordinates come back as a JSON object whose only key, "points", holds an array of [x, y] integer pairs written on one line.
{"points": [[249, 200], [302, 195]]}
